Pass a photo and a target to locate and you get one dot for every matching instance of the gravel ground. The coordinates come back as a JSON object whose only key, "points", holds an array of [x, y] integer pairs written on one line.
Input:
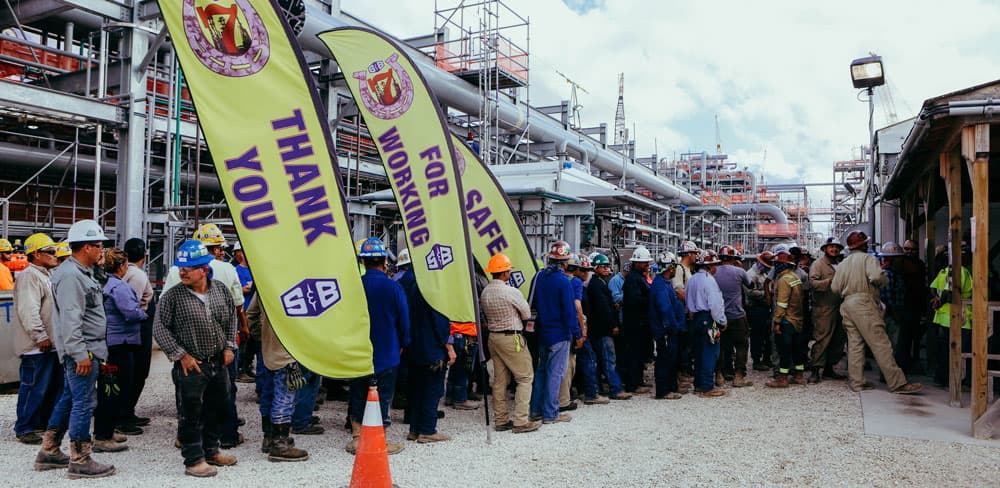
{"points": [[804, 436]]}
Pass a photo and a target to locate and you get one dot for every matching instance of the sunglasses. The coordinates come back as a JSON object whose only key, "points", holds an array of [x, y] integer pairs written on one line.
{"points": [[50, 252], [99, 245]]}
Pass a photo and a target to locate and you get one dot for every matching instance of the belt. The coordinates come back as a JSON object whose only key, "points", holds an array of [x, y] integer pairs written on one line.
{"points": [[506, 332]]}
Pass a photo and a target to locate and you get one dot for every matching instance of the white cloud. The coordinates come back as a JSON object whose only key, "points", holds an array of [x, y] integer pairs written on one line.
{"points": [[775, 72]]}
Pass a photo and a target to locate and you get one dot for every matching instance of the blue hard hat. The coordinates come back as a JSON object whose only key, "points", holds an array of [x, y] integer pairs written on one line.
{"points": [[192, 254], [372, 247]]}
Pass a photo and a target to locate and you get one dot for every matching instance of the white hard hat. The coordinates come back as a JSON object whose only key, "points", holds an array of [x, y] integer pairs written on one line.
{"points": [[237, 246], [403, 257], [667, 258], [641, 255], [687, 247], [85, 231]]}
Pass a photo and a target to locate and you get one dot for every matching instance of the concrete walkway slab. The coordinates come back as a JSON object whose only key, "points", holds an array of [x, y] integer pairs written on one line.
{"points": [[925, 416]]}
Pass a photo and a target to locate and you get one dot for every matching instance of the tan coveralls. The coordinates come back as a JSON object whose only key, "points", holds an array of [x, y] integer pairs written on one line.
{"points": [[857, 280], [828, 332]]}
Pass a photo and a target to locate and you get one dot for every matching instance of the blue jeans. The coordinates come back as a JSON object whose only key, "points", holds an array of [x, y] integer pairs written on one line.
{"points": [[41, 386], [667, 360], [305, 399], [606, 353], [385, 381], [75, 407], [458, 373], [258, 381], [425, 388], [266, 378], [552, 363], [706, 353], [586, 363], [230, 424], [283, 399]]}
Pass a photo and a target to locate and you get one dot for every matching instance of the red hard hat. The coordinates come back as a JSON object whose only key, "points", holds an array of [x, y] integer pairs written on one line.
{"points": [[728, 252], [766, 258], [856, 239]]}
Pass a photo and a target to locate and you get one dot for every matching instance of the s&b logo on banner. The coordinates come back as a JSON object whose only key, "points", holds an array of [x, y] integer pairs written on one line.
{"points": [[439, 257], [227, 36], [311, 297], [385, 88], [516, 279]]}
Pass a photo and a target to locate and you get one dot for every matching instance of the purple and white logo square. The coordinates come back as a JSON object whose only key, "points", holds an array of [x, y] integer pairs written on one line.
{"points": [[439, 257], [516, 279], [311, 297]]}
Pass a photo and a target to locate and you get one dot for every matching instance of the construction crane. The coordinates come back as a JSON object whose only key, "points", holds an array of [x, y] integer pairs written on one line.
{"points": [[574, 104], [621, 132]]}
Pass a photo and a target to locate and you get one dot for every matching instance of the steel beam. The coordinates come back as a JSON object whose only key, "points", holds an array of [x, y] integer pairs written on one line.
{"points": [[104, 8], [31, 11], [58, 104]]}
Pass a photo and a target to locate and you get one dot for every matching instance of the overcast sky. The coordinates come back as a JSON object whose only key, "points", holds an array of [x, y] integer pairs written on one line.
{"points": [[775, 72]]}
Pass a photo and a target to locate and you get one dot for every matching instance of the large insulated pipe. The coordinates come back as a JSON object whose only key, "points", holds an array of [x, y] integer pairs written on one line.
{"points": [[309, 20], [32, 158], [760, 208]]}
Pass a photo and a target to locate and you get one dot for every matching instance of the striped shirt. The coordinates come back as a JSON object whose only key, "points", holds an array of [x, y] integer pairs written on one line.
{"points": [[503, 306], [185, 324]]}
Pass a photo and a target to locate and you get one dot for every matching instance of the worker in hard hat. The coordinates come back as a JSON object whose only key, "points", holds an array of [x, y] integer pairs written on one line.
{"points": [[390, 333], [603, 325], [31, 324], [828, 329], [586, 359], [788, 321], [79, 333], [248, 345], [687, 254], [759, 311], [557, 327], [941, 298], [202, 346], [667, 319], [732, 279], [403, 264], [63, 251], [137, 278], [635, 320], [211, 236], [505, 309], [6, 275], [857, 281], [708, 310]]}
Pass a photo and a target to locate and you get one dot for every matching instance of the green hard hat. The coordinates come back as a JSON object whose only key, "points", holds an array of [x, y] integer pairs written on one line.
{"points": [[600, 260]]}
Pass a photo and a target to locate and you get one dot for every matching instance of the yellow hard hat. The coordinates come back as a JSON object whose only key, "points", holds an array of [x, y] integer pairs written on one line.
{"points": [[37, 242], [5, 246], [210, 235], [63, 249]]}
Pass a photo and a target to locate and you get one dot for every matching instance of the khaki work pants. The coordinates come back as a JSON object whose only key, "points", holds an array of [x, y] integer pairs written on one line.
{"points": [[567, 381], [864, 325], [828, 333], [510, 359]]}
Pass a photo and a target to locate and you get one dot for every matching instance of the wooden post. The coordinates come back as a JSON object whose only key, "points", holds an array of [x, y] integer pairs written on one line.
{"points": [[978, 157], [952, 172]]}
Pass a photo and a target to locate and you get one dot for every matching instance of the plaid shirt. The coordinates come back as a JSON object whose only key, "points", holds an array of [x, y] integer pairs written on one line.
{"points": [[185, 324], [893, 294], [503, 306]]}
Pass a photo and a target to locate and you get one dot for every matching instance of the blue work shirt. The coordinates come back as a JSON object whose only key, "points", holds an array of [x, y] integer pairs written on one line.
{"points": [[390, 318], [704, 295], [616, 284], [666, 311], [429, 330], [557, 320], [243, 273], [731, 280]]}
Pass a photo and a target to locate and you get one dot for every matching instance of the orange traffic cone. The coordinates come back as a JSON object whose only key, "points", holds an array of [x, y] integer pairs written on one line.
{"points": [[371, 462]]}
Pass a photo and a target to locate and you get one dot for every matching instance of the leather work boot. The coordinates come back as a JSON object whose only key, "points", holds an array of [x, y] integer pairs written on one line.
{"points": [[109, 445], [780, 382], [50, 456], [81, 465], [395, 447], [799, 378], [268, 441], [713, 393], [528, 427], [909, 389], [201, 470], [221, 459], [119, 437], [815, 376], [352, 447], [427, 439], [741, 381], [281, 449], [719, 379]]}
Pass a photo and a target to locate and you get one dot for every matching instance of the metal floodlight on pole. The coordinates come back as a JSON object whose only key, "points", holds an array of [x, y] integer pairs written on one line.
{"points": [[867, 73]]}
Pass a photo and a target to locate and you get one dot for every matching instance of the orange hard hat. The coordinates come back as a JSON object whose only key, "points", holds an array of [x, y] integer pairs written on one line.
{"points": [[498, 264]]}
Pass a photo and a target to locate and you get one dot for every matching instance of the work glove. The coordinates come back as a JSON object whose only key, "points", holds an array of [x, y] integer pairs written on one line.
{"points": [[294, 378], [109, 378]]}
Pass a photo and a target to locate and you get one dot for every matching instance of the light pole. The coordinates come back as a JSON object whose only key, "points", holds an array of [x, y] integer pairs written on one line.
{"points": [[867, 73]]}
